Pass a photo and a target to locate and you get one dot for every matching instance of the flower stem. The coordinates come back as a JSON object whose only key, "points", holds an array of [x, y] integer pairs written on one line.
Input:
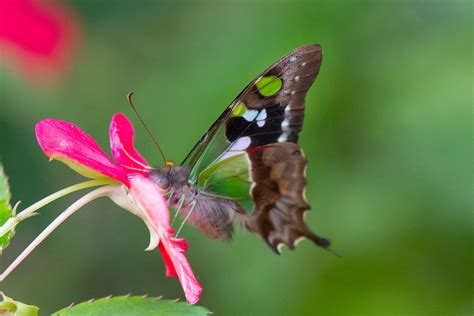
{"points": [[29, 211], [100, 192]]}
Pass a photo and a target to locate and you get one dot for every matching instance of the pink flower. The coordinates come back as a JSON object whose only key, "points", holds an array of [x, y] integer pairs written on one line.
{"points": [[37, 37], [67, 143]]}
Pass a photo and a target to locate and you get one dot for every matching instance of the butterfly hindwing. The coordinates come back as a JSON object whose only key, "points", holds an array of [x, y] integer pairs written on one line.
{"points": [[269, 184], [278, 174]]}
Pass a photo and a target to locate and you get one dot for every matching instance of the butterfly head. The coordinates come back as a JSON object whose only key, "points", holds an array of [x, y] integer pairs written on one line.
{"points": [[161, 176], [164, 181], [170, 175]]}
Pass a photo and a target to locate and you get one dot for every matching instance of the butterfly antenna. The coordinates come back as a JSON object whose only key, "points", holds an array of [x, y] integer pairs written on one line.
{"points": [[129, 97]]}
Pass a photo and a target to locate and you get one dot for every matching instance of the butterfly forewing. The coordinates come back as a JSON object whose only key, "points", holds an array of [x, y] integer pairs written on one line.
{"points": [[269, 110]]}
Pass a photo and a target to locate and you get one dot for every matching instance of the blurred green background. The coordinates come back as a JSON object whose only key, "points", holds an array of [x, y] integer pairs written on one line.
{"points": [[388, 135]]}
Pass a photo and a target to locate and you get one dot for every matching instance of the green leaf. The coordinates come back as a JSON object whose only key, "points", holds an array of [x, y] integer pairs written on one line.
{"points": [[132, 305], [4, 188], [6, 210], [10, 307]]}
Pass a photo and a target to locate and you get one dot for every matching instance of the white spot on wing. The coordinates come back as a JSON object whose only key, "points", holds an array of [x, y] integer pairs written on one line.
{"points": [[280, 247], [292, 58], [261, 118], [298, 240], [297, 78], [252, 182], [249, 116], [262, 115], [284, 126], [241, 143], [304, 189], [283, 138]]}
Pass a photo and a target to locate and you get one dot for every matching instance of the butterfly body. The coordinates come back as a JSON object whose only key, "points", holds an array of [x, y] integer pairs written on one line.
{"points": [[212, 215], [247, 169]]}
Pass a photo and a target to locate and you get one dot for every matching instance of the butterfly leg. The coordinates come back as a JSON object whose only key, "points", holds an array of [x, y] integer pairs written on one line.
{"points": [[170, 194], [191, 208], [178, 209]]}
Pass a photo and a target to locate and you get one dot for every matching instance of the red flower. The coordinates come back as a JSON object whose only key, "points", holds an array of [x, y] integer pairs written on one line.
{"points": [[65, 142], [36, 37]]}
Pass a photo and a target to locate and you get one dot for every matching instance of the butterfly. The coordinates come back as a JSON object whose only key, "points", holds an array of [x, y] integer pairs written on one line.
{"points": [[247, 169]]}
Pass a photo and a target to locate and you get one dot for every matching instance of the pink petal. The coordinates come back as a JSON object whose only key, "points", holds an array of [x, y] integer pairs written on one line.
{"points": [[148, 197], [177, 265], [66, 142], [121, 143], [179, 243]]}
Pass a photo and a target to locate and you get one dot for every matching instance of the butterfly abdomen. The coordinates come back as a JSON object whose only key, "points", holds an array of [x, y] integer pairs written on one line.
{"points": [[211, 215]]}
